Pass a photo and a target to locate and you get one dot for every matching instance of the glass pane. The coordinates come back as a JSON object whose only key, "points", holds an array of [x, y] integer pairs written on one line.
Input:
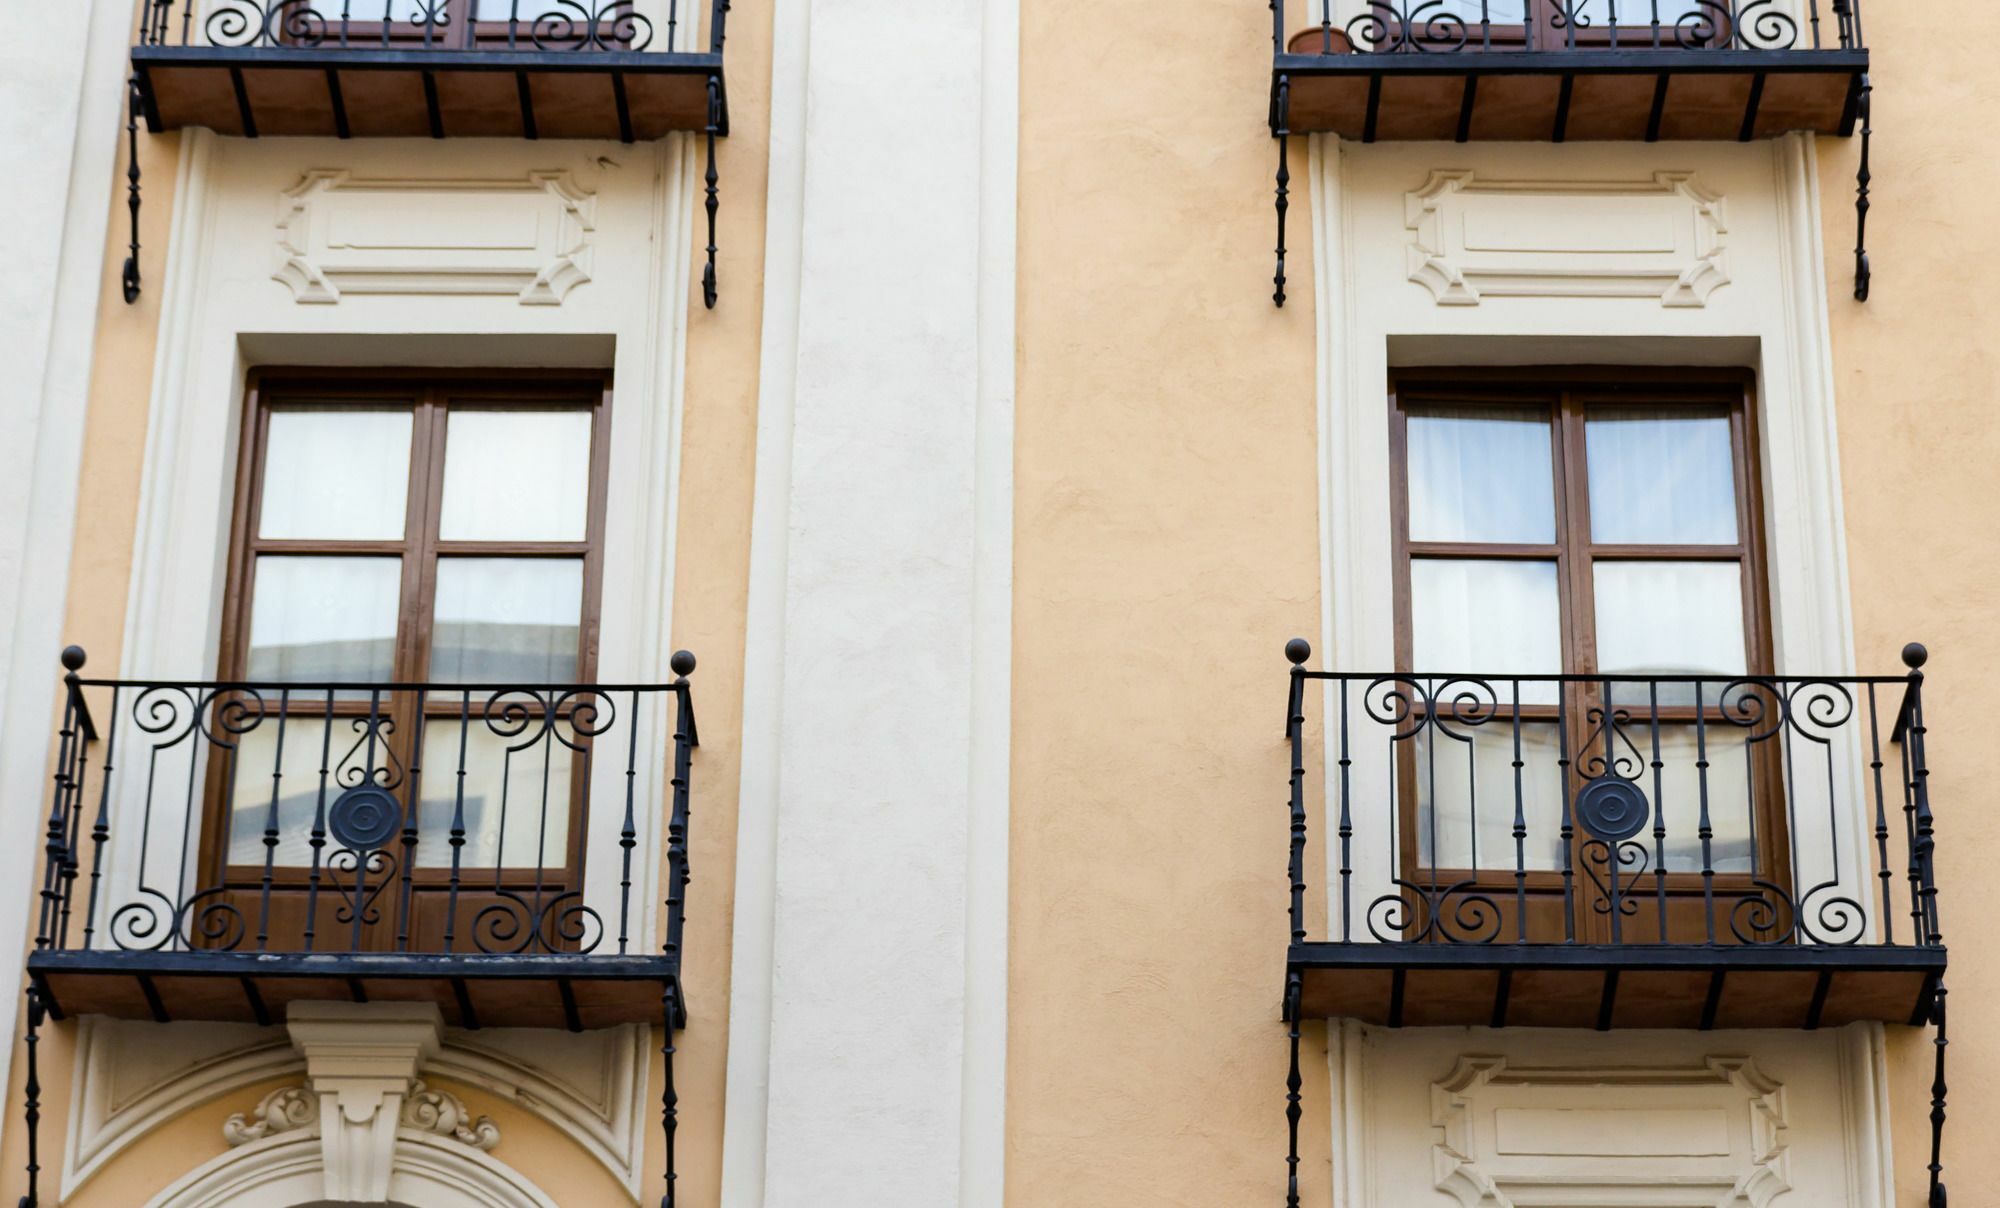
{"points": [[1466, 796], [1660, 476], [1481, 474], [527, 10], [516, 475], [294, 755], [335, 474], [1499, 12], [297, 783], [1489, 618], [322, 619], [1645, 12], [1669, 618], [507, 620], [515, 794]]}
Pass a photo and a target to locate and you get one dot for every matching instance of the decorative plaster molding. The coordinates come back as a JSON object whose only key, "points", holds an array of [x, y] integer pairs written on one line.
{"points": [[1658, 238], [590, 1086], [1713, 1135], [280, 1111], [443, 1113], [339, 234]]}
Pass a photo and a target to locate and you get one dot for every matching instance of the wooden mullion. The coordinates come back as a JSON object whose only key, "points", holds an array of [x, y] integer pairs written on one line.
{"points": [[511, 549], [1478, 550]]}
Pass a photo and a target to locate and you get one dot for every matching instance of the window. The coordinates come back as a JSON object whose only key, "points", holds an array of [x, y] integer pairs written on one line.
{"points": [[1584, 525], [419, 531]]}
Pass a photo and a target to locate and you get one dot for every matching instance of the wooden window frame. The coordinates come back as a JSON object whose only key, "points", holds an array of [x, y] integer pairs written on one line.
{"points": [[1567, 391], [430, 395]]}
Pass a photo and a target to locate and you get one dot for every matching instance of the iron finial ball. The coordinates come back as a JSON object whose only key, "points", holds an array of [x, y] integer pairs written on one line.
{"points": [[1298, 650], [72, 658], [1915, 656], [682, 663]]}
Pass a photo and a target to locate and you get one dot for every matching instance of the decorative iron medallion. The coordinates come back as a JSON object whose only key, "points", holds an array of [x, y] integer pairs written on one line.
{"points": [[364, 817], [1612, 808]]}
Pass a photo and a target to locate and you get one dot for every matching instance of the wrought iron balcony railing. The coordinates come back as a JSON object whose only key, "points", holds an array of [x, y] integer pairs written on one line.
{"points": [[1569, 70], [480, 844], [217, 851], [1670, 851], [575, 69]]}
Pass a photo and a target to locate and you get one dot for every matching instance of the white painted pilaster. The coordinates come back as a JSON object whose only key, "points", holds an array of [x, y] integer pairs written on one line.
{"points": [[869, 991]]}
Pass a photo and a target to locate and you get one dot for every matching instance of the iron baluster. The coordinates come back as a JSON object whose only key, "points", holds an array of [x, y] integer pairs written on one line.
{"points": [[709, 203], [1520, 821], [271, 825], [1294, 991], [1659, 814], [1863, 272], [457, 835], [129, 276], [1881, 816], [628, 833], [1705, 826], [1346, 826], [1298, 651], [1940, 1042], [1568, 829], [412, 807], [58, 807], [32, 1092], [100, 830], [670, 1099], [685, 740], [1284, 132], [317, 839], [1915, 656]]}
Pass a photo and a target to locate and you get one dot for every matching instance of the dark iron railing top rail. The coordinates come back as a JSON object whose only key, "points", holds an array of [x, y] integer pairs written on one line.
{"points": [[479, 820], [1525, 26], [516, 25], [1471, 809]]}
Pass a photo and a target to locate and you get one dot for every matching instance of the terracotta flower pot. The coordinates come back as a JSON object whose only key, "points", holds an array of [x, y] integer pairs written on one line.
{"points": [[1314, 40]]}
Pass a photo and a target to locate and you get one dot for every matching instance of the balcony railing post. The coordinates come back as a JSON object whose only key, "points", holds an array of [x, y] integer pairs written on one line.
{"points": [[685, 740], [70, 758], [1298, 650], [1915, 656]]}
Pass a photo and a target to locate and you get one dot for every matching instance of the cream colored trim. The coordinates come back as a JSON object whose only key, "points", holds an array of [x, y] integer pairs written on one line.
{"points": [[286, 1170], [747, 1099], [601, 1103]]}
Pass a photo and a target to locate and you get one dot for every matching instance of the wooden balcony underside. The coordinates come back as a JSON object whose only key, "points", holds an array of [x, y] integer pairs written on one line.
{"points": [[1606, 987], [369, 93], [561, 991], [1573, 96]]}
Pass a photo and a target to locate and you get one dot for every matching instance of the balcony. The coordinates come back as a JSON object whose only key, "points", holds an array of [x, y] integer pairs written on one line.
{"points": [[218, 851], [629, 70], [603, 69], [1566, 71], [1611, 852]]}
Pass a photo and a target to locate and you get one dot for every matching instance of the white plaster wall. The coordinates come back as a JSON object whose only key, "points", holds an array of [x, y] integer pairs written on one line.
{"points": [[61, 109], [225, 312], [868, 995]]}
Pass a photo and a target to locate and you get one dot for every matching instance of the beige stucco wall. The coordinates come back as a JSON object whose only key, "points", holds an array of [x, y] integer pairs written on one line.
{"points": [[1919, 438], [1166, 546]]}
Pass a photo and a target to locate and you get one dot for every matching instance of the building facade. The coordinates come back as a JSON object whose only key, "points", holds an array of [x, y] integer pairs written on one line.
{"points": [[686, 602]]}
